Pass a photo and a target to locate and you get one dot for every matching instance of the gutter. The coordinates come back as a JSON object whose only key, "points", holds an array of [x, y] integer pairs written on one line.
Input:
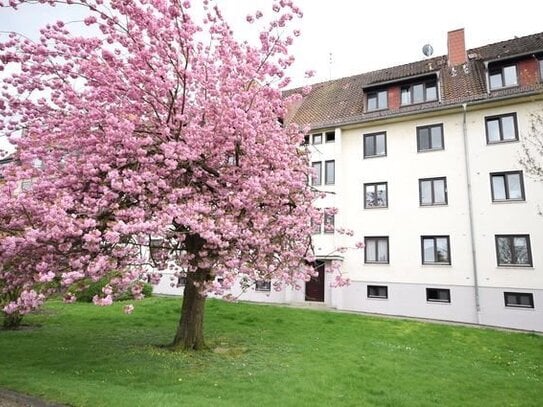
{"points": [[470, 211]]}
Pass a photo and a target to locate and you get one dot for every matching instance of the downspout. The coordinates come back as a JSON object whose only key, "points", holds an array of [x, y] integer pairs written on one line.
{"points": [[470, 211]]}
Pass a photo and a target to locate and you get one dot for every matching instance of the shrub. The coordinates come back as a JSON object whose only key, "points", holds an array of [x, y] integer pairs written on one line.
{"points": [[95, 288]]}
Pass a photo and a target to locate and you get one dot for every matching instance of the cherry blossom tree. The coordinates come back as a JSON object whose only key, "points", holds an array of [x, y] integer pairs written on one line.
{"points": [[161, 127]]}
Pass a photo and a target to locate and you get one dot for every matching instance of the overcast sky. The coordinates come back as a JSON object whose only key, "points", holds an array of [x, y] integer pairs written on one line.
{"points": [[361, 36]]}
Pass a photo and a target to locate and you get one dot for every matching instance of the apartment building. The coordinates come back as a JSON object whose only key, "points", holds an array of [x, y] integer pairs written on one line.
{"points": [[422, 162]]}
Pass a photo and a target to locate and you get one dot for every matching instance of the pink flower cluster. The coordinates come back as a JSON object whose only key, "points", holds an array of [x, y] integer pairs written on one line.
{"points": [[159, 145]]}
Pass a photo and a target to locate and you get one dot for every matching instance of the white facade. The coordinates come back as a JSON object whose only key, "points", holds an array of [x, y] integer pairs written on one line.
{"points": [[470, 282]]}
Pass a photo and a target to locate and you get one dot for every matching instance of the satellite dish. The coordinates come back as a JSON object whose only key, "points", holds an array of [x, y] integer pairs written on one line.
{"points": [[427, 50]]}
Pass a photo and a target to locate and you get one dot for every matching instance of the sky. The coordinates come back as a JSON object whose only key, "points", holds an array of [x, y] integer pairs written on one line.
{"points": [[346, 37]]}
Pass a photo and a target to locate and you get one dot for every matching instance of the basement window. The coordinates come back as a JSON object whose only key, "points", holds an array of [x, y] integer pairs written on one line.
{"points": [[263, 285], [519, 300], [438, 295], [378, 291]]}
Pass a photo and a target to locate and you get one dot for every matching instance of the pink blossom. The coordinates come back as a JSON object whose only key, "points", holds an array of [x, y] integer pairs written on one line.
{"points": [[128, 309]]}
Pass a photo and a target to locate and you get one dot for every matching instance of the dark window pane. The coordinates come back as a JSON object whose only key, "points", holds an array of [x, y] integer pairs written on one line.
{"points": [[329, 222], [371, 250], [381, 195], [369, 145], [439, 192], [428, 247], [316, 178], [370, 196], [382, 100], [442, 247], [330, 172], [521, 250], [380, 147], [426, 192], [372, 101], [418, 93], [424, 139], [443, 295], [493, 130], [505, 254], [510, 75], [498, 187], [431, 92], [496, 80], [515, 189], [437, 138], [382, 250], [508, 127], [406, 96]]}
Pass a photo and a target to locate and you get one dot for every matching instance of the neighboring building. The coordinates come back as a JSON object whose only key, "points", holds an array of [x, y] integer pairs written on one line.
{"points": [[422, 162], [4, 161]]}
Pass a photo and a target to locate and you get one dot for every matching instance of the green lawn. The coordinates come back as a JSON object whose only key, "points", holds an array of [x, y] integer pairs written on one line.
{"points": [[261, 355]]}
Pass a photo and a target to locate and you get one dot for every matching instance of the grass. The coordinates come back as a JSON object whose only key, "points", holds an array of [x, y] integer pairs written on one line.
{"points": [[84, 355]]}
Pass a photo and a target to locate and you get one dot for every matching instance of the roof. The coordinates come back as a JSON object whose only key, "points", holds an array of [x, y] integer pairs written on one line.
{"points": [[340, 101]]}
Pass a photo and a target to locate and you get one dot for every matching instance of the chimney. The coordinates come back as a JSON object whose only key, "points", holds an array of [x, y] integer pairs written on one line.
{"points": [[456, 47]]}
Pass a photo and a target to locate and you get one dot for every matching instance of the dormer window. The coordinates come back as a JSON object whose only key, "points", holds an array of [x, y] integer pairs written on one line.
{"points": [[419, 92], [502, 76], [377, 100]]}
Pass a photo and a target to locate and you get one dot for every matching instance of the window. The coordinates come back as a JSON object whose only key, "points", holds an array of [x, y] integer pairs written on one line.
{"points": [[541, 70], [375, 145], [316, 178], [329, 222], [433, 191], [507, 186], [263, 285], [435, 250], [181, 279], [375, 195], [317, 138], [513, 250], [377, 291], [306, 140], [430, 137], [419, 92], [26, 184], [502, 128], [378, 100], [376, 249], [156, 251], [330, 136], [519, 300], [330, 172], [438, 295], [315, 227], [503, 76]]}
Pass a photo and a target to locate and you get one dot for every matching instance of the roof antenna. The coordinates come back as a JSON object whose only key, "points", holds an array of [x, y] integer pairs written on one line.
{"points": [[330, 67]]}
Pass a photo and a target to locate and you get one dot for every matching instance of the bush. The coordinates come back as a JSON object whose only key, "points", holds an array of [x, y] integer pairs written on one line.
{"points": [[95, 288]]}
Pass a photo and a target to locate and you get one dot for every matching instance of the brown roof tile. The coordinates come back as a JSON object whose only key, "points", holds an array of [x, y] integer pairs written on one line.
{"points": [[341, 100]]}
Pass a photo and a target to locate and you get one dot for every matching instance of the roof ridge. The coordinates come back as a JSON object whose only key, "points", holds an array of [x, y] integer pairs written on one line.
{"points": [[503, 42]]}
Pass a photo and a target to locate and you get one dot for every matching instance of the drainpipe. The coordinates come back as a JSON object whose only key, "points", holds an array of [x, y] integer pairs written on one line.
{"points": [[470, 211]]}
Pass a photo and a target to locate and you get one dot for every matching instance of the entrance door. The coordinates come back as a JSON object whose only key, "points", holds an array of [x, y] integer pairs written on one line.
{"points": [[314, 288]]}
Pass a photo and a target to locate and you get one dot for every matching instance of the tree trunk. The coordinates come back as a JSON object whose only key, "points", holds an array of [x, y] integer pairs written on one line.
{"points": [[12, 321], [190, 331]]}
